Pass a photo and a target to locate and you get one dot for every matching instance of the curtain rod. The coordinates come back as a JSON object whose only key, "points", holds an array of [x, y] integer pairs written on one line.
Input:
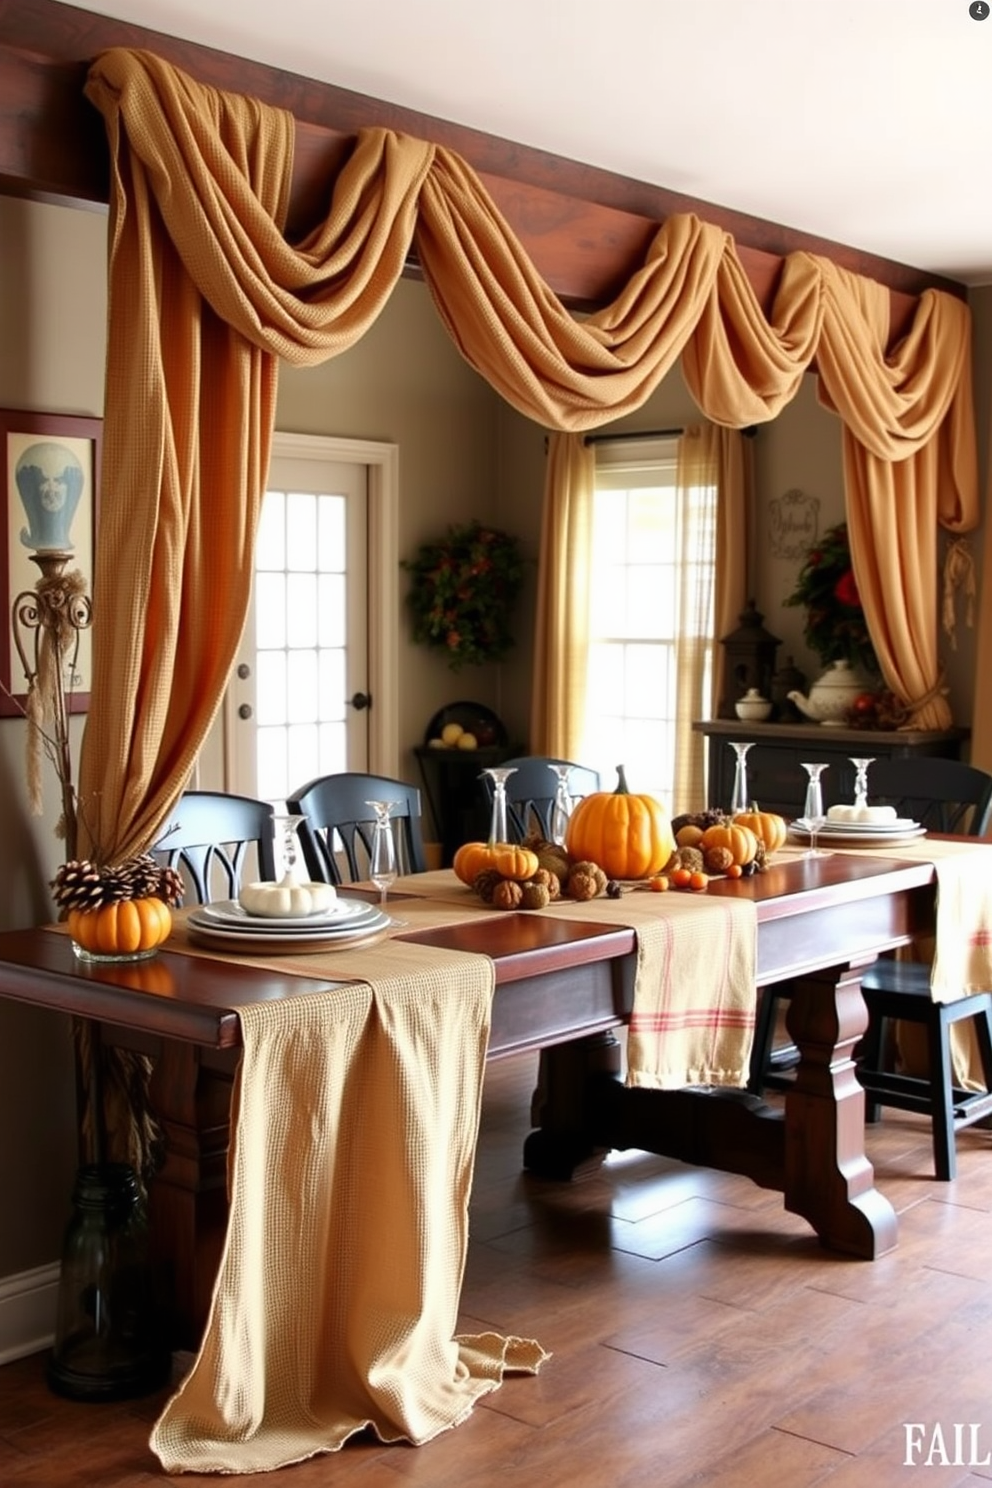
{"points": [[747, 433], [633, 434]]}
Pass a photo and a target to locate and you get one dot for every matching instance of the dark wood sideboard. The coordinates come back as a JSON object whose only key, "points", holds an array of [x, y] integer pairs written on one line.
{"points": [[775, 776]]}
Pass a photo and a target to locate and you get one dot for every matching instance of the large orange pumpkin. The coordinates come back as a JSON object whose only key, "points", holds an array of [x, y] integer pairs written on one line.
{"points": [[628, 835], [128, 927]]}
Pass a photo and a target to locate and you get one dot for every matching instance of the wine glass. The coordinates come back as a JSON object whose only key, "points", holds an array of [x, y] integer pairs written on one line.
{"points": [[814, 814], [382, 854], [739, 799], [561, 808], [287, 845], [499, 775], [861, 779]]}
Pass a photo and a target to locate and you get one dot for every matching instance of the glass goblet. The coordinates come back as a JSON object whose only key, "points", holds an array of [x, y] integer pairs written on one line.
{"points": [[499, 775], [287, 845], [739, 799], [382, 853], [561, 808], [861, 779], [814, 815]]}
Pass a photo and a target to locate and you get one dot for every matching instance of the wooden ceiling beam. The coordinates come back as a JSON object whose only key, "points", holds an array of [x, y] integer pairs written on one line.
{"points": [[585, 229]]}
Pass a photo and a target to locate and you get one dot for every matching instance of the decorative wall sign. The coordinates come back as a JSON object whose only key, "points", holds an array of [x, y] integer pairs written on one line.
{"points": [[51, 465], [793, 524]]}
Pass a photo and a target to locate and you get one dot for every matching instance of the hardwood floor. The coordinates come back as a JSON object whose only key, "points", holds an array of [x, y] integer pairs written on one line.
{"points": [[699, 1335]]}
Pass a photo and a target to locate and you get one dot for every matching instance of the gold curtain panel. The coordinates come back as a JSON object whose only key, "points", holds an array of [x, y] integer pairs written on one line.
{"points": [[206, 296]]}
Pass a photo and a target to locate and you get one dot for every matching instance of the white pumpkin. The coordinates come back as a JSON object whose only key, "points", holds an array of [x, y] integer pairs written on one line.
{"points": [[875, 814], [287, 899]]}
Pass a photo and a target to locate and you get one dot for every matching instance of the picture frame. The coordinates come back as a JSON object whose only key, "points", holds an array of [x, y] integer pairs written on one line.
{"points": [[51, 502]]}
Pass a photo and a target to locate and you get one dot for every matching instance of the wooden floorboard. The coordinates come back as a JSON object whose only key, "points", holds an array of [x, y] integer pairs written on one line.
{"points": [[699, 1335]]}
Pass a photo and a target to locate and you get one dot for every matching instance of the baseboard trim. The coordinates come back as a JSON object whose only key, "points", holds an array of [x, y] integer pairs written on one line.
{"points": [[27, 1312]]}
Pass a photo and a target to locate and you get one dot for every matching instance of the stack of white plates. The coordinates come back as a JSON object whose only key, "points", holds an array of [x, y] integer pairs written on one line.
{"points": [[344, 923], [862, 834]]}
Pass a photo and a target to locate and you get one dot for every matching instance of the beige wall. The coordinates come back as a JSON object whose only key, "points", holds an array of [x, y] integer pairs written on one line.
{"points": [[52, 320], [463, 454]]}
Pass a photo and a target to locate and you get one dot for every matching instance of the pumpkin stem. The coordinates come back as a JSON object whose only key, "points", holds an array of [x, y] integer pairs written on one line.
{"points": [[622, 787]]}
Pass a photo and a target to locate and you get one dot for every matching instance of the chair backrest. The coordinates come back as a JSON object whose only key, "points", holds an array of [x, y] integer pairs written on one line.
{"points": [[944, 795], [530, 792], [216, 840], [337, 824]]}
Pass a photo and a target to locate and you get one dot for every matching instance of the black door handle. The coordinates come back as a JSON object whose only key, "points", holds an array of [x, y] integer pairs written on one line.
{"points": [[361, 700]]}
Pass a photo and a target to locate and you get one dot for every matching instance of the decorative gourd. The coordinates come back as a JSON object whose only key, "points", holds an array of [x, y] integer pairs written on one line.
{"points": [[471, 859], [628, 835], [518, 863], [288, 898], [549, 854], [122, 928], [741, 841], [767, 826]]}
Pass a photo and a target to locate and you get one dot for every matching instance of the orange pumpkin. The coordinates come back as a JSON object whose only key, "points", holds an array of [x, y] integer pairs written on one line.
{"points": [[125, 928], [740, 841], [767, 826], [518, 863], [628, 835], [470, 860]]}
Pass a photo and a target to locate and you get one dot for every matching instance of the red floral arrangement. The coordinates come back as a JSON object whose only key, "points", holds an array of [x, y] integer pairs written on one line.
{"points": [[835, 622]]}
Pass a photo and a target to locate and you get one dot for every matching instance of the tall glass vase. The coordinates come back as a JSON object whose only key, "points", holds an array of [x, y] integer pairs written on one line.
{"points": [[498, 827], [739, 798]]}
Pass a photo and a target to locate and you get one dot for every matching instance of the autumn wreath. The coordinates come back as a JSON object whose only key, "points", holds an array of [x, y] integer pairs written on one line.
{"points": [[462, 591]]}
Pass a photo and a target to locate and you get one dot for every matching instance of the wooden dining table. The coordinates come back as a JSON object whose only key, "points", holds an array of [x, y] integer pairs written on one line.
{"points": [[563, 987]]}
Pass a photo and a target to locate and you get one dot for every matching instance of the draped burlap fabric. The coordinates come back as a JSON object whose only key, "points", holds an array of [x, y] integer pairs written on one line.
{"points": [[206, 295], [353, 1146]]}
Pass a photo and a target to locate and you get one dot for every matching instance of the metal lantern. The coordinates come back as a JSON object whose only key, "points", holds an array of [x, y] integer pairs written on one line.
{"points": [[750, 659]]}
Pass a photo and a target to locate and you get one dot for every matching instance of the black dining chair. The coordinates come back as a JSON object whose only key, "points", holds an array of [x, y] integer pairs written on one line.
{"points": [[944, 796], [336, 832], [530, 792], [216, 841]]}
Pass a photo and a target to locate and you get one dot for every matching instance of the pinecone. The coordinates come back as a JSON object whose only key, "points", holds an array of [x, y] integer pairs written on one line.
{"points": [[170, 887], [85, 885], [147, 878], [144, 874], [78, 884]]}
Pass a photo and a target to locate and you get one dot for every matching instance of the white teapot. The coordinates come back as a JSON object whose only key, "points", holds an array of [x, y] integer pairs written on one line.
{"points": [[831, 695]]}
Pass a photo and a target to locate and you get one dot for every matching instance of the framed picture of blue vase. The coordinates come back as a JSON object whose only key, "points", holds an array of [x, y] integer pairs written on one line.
{"points": [[51, 466]]}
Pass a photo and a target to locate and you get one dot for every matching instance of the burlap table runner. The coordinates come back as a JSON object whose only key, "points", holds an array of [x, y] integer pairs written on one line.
{"points": [[354, 1126], [694, 994], [960, 948]]}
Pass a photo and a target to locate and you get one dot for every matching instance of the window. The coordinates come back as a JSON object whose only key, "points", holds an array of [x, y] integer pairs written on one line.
{"points": [[651, 616]]}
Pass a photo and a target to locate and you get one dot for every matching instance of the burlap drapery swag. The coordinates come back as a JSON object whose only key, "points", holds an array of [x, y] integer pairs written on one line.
{"points": [[206, 296]]}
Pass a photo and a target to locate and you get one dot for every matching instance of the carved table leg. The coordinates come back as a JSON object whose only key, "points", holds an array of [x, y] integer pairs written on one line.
{"points": [[563, 1146], [828, 1178], [187, 1202]]}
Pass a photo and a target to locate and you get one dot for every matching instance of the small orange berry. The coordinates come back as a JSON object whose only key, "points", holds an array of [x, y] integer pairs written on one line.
{"points": [[734, 871], [681, 878], [659, 883], [698, 881]]}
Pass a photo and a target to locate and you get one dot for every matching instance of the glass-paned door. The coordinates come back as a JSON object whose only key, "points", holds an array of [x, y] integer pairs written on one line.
{"points": [[301, 677]]}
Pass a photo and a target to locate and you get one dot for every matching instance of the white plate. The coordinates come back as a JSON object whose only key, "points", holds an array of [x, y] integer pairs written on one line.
{"points": [[342, 911], [853, 838], [886, 828], [276, 930], [248, 942]]}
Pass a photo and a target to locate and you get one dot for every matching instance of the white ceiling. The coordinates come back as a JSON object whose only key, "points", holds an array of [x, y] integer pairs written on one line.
{"points": [[867, 122]]}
